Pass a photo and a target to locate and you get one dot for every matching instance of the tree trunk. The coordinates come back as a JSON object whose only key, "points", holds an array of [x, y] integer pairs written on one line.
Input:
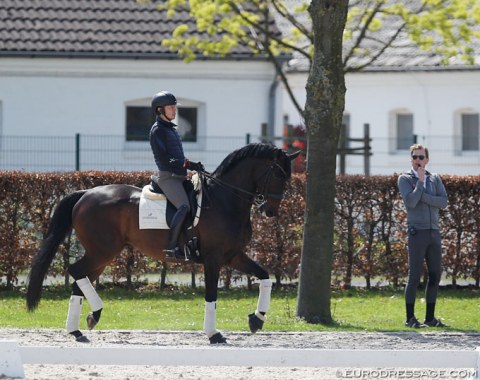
{"points": [[323, 118]]}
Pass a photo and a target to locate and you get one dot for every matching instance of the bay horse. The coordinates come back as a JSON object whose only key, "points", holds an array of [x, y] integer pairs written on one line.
{"points": [[105, 219]]}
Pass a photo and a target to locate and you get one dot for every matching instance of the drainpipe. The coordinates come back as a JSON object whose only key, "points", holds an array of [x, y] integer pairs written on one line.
{"points": [[272, 98]]}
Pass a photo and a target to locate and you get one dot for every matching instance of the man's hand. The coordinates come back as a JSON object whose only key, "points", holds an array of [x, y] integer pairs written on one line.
{"points": [[421, 173]]}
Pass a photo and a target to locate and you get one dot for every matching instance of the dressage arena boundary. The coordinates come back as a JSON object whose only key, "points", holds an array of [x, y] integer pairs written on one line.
{"points": [[13, 357]]}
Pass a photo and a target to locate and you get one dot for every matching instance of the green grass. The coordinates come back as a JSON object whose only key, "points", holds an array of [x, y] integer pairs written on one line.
{"points": [[182, 309]]}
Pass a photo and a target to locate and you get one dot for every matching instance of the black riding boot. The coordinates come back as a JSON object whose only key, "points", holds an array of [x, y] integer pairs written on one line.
{"points": [[175, 229]]}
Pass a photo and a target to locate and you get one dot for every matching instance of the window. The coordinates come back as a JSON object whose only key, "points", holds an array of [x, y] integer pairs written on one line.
{"points": [[140, 118], [470, 132], [404, 131], [139, 122]]}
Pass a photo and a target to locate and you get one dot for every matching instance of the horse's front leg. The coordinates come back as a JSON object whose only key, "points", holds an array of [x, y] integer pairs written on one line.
{"points": [[246, 265], [212, 273]]}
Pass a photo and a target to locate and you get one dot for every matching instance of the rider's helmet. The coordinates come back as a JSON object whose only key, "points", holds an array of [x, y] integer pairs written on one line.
{"points": [[162, 99]]}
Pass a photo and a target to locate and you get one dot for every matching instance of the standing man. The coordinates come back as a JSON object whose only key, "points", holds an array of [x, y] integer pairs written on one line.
{"points": [[423, 194], [172, 165]]}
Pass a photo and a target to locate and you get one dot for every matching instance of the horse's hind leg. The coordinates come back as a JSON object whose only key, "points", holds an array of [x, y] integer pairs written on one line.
{"points": [[246, 265], [82, 288]]}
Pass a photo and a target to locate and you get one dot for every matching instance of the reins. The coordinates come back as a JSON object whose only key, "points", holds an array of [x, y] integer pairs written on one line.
{"points": [[258, 198]]}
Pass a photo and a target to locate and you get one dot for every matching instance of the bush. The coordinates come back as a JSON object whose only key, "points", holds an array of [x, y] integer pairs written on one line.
{"points": [[370, 234]]}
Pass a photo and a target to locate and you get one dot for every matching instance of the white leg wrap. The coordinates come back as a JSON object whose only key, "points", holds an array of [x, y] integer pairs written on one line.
{"points": [[90, 294], [74, 311], [210, 319], [265, 290]]}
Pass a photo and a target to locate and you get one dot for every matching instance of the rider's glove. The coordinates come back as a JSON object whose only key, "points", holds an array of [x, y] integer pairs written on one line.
{"points": [[197, 166]]}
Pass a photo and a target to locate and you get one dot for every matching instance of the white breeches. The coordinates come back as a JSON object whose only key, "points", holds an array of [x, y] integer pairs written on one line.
{"points": [[74, 311], [265, 291], [90, 294], [210, 319]]}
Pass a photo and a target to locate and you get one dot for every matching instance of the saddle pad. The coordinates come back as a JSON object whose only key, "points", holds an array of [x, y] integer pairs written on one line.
{"points": [[152, 209], [152, 212]]}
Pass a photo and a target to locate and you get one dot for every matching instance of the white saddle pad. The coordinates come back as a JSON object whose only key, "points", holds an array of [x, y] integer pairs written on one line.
{"points": [[152, 209]]}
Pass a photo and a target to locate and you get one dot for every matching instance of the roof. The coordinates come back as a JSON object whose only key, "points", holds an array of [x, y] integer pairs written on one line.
{"points": [[402, 55], [91, 28]]}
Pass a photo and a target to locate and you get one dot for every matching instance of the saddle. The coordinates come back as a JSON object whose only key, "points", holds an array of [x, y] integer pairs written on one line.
{"points": [[171, 209], [190, 250]]}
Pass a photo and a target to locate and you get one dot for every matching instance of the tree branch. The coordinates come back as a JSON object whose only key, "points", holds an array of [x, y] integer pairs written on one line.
{"points": [[262, 29]]}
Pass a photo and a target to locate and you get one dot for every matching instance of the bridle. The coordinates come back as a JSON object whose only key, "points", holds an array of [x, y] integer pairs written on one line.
{"points": [[260, 197]]}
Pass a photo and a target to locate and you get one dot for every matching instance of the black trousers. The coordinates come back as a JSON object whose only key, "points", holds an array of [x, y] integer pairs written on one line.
{"points": [[424, 245]]}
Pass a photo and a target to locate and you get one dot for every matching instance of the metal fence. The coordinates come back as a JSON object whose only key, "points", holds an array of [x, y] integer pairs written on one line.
{"points": [[101, 152]]}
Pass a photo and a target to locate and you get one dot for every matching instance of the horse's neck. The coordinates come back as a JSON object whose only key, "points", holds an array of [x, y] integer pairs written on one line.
{"points": [[236, 188]]}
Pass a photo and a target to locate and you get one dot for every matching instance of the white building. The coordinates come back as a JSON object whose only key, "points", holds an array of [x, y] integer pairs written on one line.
{"points": [[91, 68], [406, 95], [439, 105], [76, 79]]}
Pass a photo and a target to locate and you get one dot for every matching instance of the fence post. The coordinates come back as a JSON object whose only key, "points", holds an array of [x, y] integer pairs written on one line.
{"points": [[366, 148], [11, 364], [77, 152], [264, 131], [342, 150]]}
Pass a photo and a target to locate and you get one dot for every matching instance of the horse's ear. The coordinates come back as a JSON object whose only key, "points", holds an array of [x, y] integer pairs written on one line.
{"points": [[294, 155]]}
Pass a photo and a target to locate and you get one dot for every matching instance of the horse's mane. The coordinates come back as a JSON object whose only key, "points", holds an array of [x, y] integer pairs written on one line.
{"points": [[254, 150]]}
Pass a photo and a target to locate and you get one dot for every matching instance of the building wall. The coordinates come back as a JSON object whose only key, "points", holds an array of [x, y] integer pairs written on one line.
{"points": [[62, 97], [435, 98]]}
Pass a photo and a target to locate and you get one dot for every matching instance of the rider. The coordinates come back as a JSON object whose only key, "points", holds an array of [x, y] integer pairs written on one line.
{"points": [[168, 153]]}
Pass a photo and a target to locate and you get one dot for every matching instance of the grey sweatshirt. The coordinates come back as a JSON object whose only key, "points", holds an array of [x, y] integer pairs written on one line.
{"points": [[422, 208]]}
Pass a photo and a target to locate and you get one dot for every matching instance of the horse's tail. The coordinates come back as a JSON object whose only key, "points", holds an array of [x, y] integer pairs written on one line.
{"points": [[60, 226]]}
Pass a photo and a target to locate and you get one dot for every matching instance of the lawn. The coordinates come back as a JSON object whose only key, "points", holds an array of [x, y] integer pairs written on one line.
{"points": [[181, 308]]}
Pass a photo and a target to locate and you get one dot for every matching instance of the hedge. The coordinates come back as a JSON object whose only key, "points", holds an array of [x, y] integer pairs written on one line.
{"points": [[370, 233]]}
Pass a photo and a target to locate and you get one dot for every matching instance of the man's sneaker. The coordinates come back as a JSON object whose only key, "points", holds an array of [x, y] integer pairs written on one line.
{"points": [[414, 323], [435, 323]]}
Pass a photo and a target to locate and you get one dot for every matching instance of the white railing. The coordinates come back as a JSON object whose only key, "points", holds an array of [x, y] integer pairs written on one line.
{"points": [[14, 357]]}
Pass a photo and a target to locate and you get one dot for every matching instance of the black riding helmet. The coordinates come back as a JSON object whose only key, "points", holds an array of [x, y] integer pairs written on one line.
{"points": [[162, 99]]}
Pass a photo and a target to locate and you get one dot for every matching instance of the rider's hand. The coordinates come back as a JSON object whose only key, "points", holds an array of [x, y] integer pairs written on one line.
{"points": [[197, 166]]}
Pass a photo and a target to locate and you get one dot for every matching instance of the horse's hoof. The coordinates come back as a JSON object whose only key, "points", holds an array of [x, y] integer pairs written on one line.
{"points": [[254, 323], [82, 339], [91, 321], [79, 337], [217, 338]]}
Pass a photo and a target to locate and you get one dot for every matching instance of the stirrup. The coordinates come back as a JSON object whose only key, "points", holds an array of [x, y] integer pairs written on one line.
{"points": [[173, 253], [191, 249]]}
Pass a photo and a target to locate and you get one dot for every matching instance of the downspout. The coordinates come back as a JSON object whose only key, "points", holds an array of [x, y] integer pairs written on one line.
{"points": [[272, 99]]}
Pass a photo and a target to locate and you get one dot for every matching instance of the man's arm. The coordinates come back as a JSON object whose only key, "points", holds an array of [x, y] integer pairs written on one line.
{"points": [[440, 199], [411, 194]]}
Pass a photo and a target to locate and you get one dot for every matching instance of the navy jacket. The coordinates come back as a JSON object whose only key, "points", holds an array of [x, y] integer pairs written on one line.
{"points": [[167, 147]]}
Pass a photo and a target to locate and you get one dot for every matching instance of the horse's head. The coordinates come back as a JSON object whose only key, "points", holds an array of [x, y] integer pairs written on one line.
{"points": [[271, 180], [257, 170]]}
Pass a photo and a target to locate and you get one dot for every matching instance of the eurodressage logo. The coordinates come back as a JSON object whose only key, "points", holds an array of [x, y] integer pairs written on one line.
{"points": [[405, 374]]}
